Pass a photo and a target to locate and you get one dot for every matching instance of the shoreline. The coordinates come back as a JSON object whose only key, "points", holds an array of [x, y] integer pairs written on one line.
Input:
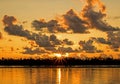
{"points": [[73, 66], [61, 62]]}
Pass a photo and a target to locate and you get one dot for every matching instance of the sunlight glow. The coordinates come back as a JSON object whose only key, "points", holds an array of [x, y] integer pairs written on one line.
{"points": [[57, 55], [66, 54]]}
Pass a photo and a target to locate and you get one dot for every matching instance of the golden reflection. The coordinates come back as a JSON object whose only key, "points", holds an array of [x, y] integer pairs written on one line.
{"points": [[59, 76]]}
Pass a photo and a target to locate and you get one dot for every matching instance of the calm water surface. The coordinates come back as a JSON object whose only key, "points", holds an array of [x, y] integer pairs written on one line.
{"points": [[59, 75]]}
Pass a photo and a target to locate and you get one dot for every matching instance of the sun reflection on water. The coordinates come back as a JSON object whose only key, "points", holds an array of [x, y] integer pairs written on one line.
{"points": [[58, 76]]}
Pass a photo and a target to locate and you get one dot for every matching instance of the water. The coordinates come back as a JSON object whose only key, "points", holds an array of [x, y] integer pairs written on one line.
{"points": [[59, 75]]}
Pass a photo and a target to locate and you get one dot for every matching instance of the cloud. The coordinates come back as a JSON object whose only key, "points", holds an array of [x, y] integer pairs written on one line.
{"points": [[39, 24], [45, 41], [39, 50], [67, 42], [13, 29], [71, 20], [9, 20], [51, 49], [91, 16], [114, 39], [116, 17], [88, 46], [54, 40], [51, 25], [0, 35], [95, 18], [64, 49], [100, 40], [18, 31], [33, 51], [48, 42], [41, 40], [74, 22]]}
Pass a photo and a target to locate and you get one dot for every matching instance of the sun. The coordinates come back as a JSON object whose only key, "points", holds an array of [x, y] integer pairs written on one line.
{"points": [[61, 58], [57, 55]]}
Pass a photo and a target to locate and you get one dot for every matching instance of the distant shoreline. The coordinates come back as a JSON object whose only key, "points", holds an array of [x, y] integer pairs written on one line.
{"points": [[62, 66], [61, 62]]}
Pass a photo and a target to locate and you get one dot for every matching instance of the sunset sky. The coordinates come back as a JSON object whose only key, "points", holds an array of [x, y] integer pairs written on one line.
{"points": [[43, 27]]}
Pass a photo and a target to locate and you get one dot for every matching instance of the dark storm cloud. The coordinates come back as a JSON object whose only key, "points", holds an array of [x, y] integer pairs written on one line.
{"points": [[95, 18], [88, 46], [74, 22], [9, 20], [64, 49], [71, 19], [42, 40], [48, 42], [100, 40], [96, 21], [53, 49], [54, 40], [39, 24], [13, 29], [114, 39], [18, 31], [67, 42], [51, 25], [91, 16]]}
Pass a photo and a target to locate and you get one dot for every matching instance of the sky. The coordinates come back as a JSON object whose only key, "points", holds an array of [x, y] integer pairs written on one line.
{"points": [[38, 27], [29, 9]]}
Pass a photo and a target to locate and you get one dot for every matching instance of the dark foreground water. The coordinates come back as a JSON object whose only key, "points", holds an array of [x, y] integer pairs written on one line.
{"points": [[34, 75]]}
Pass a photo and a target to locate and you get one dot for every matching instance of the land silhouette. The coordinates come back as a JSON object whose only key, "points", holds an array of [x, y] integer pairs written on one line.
{"points": [[66, 61]]}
